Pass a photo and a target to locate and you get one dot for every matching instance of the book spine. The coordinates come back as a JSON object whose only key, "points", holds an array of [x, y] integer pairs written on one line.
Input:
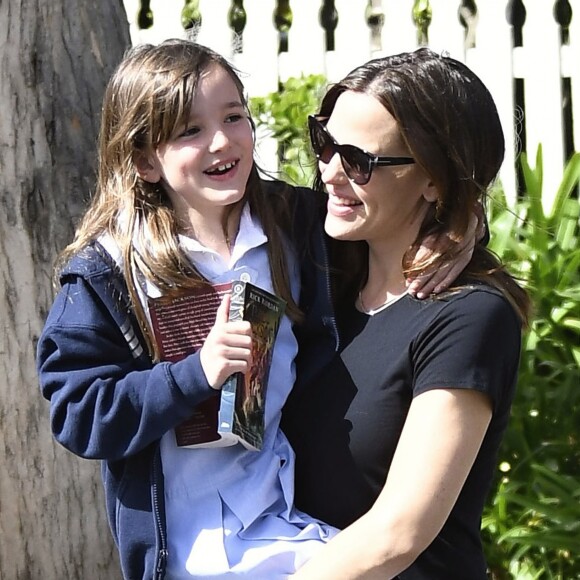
{"points": [[229, 392]]}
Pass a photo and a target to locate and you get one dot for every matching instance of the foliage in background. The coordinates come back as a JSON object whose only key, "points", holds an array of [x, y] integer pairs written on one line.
{"points": [[531, 525], [284, 117], [190, 14]]}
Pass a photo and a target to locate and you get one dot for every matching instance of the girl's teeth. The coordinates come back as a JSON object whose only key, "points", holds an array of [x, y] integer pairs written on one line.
{"points": [[222, 168]]}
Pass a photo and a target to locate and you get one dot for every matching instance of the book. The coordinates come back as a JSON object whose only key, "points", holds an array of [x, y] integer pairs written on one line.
{"points": [[243, 397], [180, 325]]}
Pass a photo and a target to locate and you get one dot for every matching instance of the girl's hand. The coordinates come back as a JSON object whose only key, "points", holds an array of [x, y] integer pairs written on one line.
{"points": [[227, 348], [439, 279]]}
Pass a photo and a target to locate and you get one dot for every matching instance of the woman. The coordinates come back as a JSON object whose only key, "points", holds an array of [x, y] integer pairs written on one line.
{"points": [[396, 433]]}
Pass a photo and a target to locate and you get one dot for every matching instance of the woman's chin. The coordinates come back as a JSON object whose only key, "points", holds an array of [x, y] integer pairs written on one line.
{"points": [[340, 230]]}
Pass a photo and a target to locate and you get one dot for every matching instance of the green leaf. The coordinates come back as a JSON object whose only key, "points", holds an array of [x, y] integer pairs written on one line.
{"points": [[570, 180]]}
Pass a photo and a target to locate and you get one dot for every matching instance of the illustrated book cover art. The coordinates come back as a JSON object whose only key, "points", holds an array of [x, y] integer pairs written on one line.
{"points": [[243, 399], [181, 324]]}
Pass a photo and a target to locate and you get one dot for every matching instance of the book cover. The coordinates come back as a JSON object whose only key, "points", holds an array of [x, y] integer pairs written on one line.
{"points": [[243, 397], [181, 324]]}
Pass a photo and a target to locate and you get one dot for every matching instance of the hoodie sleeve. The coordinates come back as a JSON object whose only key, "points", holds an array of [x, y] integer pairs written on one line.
{"points": [[104, 403]]}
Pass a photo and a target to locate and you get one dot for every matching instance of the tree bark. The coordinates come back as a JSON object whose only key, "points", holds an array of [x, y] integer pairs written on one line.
{"points": [[55, 60]]}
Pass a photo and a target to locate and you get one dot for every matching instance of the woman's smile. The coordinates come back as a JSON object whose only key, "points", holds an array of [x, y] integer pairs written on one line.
{"points": [[341, 206]]}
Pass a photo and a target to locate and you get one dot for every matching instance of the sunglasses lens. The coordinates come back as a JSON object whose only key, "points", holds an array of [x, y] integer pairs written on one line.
{"points": [[321, 143], [356, 164]]}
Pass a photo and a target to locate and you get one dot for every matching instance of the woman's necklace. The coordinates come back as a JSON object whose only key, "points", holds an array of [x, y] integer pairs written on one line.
{"points": [[372, 311]]}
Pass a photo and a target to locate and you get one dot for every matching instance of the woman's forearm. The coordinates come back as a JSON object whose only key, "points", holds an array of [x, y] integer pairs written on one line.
{"points": [[425, 478], [370, 548]]}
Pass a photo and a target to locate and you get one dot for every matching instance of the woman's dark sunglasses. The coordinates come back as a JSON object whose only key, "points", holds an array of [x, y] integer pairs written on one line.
{"points": [[358, 164]]}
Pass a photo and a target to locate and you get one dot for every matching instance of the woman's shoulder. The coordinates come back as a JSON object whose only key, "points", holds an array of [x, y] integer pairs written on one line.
{"points": [[475, 291], [478, 303]]}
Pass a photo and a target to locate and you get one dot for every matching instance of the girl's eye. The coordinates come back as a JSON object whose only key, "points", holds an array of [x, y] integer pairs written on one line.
{"points": [[234, 117], [190, 132]]}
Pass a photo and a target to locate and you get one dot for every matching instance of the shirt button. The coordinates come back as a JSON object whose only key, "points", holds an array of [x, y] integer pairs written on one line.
{"points": [[245, 277]]}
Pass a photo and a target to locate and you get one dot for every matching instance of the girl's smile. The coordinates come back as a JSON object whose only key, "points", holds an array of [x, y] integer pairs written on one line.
{"points": [[222, 169]]}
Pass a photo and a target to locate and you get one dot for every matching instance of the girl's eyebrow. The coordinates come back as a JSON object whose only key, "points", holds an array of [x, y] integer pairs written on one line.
{"points": [[229, 105]]}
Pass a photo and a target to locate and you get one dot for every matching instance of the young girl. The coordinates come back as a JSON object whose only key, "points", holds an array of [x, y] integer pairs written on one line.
{"points": [[179, 203]]}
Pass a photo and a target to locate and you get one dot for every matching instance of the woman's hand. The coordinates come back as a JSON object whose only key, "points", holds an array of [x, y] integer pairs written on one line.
{"points": [[227, 348], [439, 278]]}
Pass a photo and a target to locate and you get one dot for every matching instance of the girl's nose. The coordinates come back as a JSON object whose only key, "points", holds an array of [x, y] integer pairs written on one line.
{"points": [[219, 141]]}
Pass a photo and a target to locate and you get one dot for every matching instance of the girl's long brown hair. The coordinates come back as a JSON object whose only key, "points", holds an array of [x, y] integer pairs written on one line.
{"points": [[149, 98]]}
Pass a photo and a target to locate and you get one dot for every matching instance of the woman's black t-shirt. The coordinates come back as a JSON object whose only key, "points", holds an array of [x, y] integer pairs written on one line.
{"points": [[345, 423]]}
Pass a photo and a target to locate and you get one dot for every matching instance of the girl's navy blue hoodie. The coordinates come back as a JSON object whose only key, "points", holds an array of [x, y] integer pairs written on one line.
{"points": [[109, 402]]}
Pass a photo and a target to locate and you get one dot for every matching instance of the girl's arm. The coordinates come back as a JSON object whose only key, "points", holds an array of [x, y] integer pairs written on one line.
{"points": [[105, 404], [438, 445], [436, 280]]}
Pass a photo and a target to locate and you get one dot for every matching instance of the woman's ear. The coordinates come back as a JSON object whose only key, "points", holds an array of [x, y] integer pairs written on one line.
{"points": [[146, 167], [431, 194]]}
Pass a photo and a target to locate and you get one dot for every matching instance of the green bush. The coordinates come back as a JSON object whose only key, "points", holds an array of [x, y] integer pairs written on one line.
{"points": [[284, 115], [531, 524]]}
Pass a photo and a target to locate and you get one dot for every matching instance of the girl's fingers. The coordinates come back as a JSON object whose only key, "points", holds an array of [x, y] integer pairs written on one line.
{"points": [[240, 327], [223, 310]]}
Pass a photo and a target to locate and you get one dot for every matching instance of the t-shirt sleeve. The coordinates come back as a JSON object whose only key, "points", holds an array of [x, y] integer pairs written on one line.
{"points": [[473, 343]]}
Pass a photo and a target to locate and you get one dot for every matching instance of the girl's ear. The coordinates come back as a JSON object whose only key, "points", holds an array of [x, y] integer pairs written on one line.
{"points": [[146, 167], [431, 194]]}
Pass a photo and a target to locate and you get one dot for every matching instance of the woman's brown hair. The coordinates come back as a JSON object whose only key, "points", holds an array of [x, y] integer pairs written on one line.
{"points": [[450, 124]]}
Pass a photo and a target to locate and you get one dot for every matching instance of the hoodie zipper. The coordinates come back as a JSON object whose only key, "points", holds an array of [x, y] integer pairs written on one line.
{"points": [[162, 553]]}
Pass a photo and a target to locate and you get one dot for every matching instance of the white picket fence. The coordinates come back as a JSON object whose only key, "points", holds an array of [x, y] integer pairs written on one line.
{"points": [[542, 61]]}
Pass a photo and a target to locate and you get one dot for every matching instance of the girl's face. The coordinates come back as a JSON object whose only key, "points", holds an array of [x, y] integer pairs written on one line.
{"points": [[206, 166], [392, 205]]}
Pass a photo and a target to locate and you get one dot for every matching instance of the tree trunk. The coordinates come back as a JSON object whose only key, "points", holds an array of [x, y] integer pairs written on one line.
{"points": [[55, 59]]}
